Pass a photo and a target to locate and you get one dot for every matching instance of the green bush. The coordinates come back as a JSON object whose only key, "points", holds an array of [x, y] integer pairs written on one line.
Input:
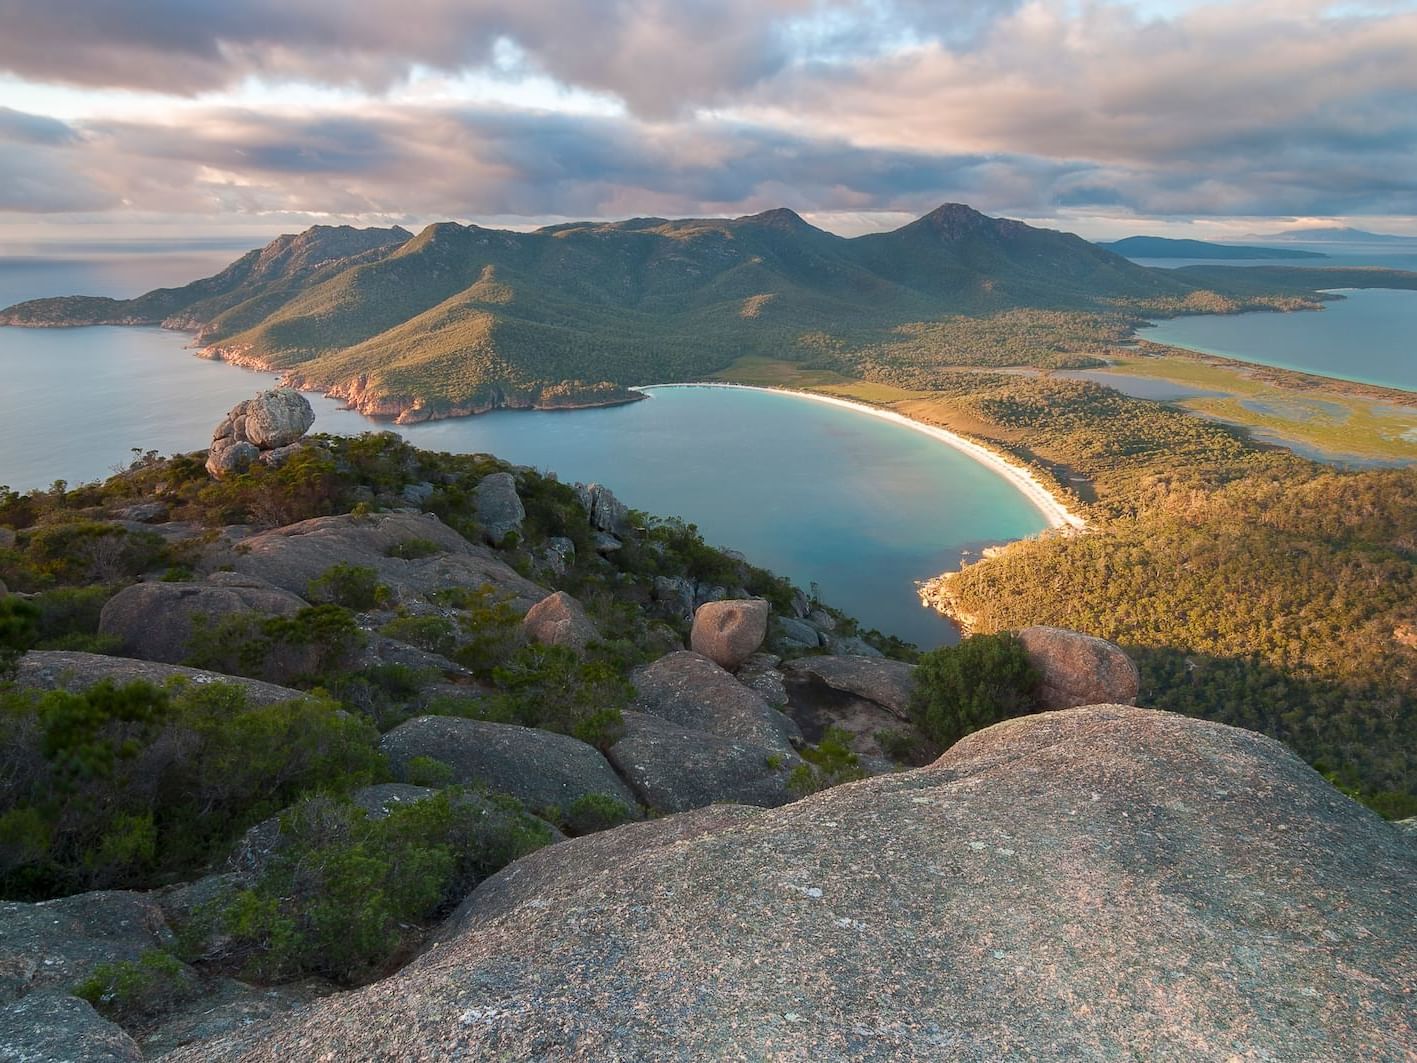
{"points": [[131, 786], [962, 689], [493, 629], [135, 992], [352, 586], [304, 647], [829, 763], [19, 628], [436, 634], [412, 549], [428, 771], [553, 688], [347, 892], [594, 812]]}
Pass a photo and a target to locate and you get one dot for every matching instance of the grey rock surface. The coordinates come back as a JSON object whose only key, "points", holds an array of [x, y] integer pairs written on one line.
{"points": [[277, 418], [1079, 669], [728, 632], [690, 690], [539, 768], [292, 556], [497, 506], [54, 944], [1101, 883], [51, 1026], [228, 457], [229, 1006], [606, 512], [799, 631], [760, 674], [155, 621], [887, 683], [70, 670], [674, 769]]}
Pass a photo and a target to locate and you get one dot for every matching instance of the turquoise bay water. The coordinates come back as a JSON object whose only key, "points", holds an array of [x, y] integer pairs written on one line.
{"points": [[1369, 336], [860, 506]]}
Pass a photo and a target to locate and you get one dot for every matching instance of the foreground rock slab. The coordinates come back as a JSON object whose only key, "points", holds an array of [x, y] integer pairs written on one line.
{"points": [[1102, 883], [156, 621]]}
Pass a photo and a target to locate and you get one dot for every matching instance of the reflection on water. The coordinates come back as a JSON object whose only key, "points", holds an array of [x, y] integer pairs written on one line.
{"points": [[821, 494]]}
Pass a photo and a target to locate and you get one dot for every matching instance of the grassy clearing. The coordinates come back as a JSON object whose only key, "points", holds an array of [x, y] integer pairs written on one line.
{"points": [[1329, 421]]}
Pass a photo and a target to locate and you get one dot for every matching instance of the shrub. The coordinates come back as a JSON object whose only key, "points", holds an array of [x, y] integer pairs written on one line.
{"points": [[428, 771], [829, 763], [19, 628], [347, 892], [352, 586], [86, 551], [962, 689], [436, 634], [281, 649], [412, 549], [135, 992], [494, 627], [553, 688], [129, 786], [594, 812]]}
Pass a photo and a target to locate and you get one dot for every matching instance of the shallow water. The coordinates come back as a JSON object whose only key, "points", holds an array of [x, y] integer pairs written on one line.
{"points": [[860, 506], [1369, 336]]}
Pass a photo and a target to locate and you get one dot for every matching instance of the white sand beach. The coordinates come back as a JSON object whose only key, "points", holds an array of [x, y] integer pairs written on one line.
{"points": [[1054, 511]]}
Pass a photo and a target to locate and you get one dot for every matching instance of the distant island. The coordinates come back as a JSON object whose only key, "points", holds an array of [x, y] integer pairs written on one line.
{"points": [[1336, 234], [460, 319], [1166, 247]]}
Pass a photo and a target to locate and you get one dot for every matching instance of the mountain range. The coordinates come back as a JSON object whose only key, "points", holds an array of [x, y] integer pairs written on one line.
{"points": [[459, 319]]}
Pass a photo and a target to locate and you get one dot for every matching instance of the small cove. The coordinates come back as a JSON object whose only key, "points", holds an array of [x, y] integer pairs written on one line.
{"points": [[858, 505]]}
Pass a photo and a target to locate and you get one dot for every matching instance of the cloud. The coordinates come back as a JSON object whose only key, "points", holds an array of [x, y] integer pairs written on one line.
{"points": [[1033, 108], [657, 55]]}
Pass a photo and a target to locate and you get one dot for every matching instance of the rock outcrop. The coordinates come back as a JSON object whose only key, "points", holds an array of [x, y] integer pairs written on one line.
{"points": [[1101, 883], [1079, 669], [49, 947], [675, 769], [498, 508], [71, 670], [560, 620], [690, 690], [886, 683], [156, 621], [607, 513], [259, 429], [292, 556], [729, 632], [541, 769]]}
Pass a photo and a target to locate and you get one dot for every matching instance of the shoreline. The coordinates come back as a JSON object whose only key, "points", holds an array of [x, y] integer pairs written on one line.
{"points": [[1054, 511]]}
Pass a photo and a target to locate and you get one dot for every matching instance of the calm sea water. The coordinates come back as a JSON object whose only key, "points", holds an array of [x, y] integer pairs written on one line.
{"points": [[857, 505], [1370, 336]]}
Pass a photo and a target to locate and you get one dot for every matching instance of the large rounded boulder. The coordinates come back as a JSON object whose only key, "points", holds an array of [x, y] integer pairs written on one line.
{"points": [[1101, 883], [729, 632], [560, 620], [1077, 669], [156, 621], [261, 429]]}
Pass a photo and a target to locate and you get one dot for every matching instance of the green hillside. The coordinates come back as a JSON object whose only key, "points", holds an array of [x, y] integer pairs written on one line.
{"points": [[460, 318]]}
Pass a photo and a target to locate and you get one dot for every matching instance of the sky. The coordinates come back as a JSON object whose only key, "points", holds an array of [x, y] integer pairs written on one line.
{"points": [[229, 119]]}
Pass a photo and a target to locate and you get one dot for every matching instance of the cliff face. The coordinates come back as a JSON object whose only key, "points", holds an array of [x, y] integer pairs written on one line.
{"points": [[1104, 882]]}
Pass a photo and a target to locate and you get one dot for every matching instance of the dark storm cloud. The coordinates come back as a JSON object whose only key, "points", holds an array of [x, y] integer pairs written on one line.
{"points": [[656, 54]]}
